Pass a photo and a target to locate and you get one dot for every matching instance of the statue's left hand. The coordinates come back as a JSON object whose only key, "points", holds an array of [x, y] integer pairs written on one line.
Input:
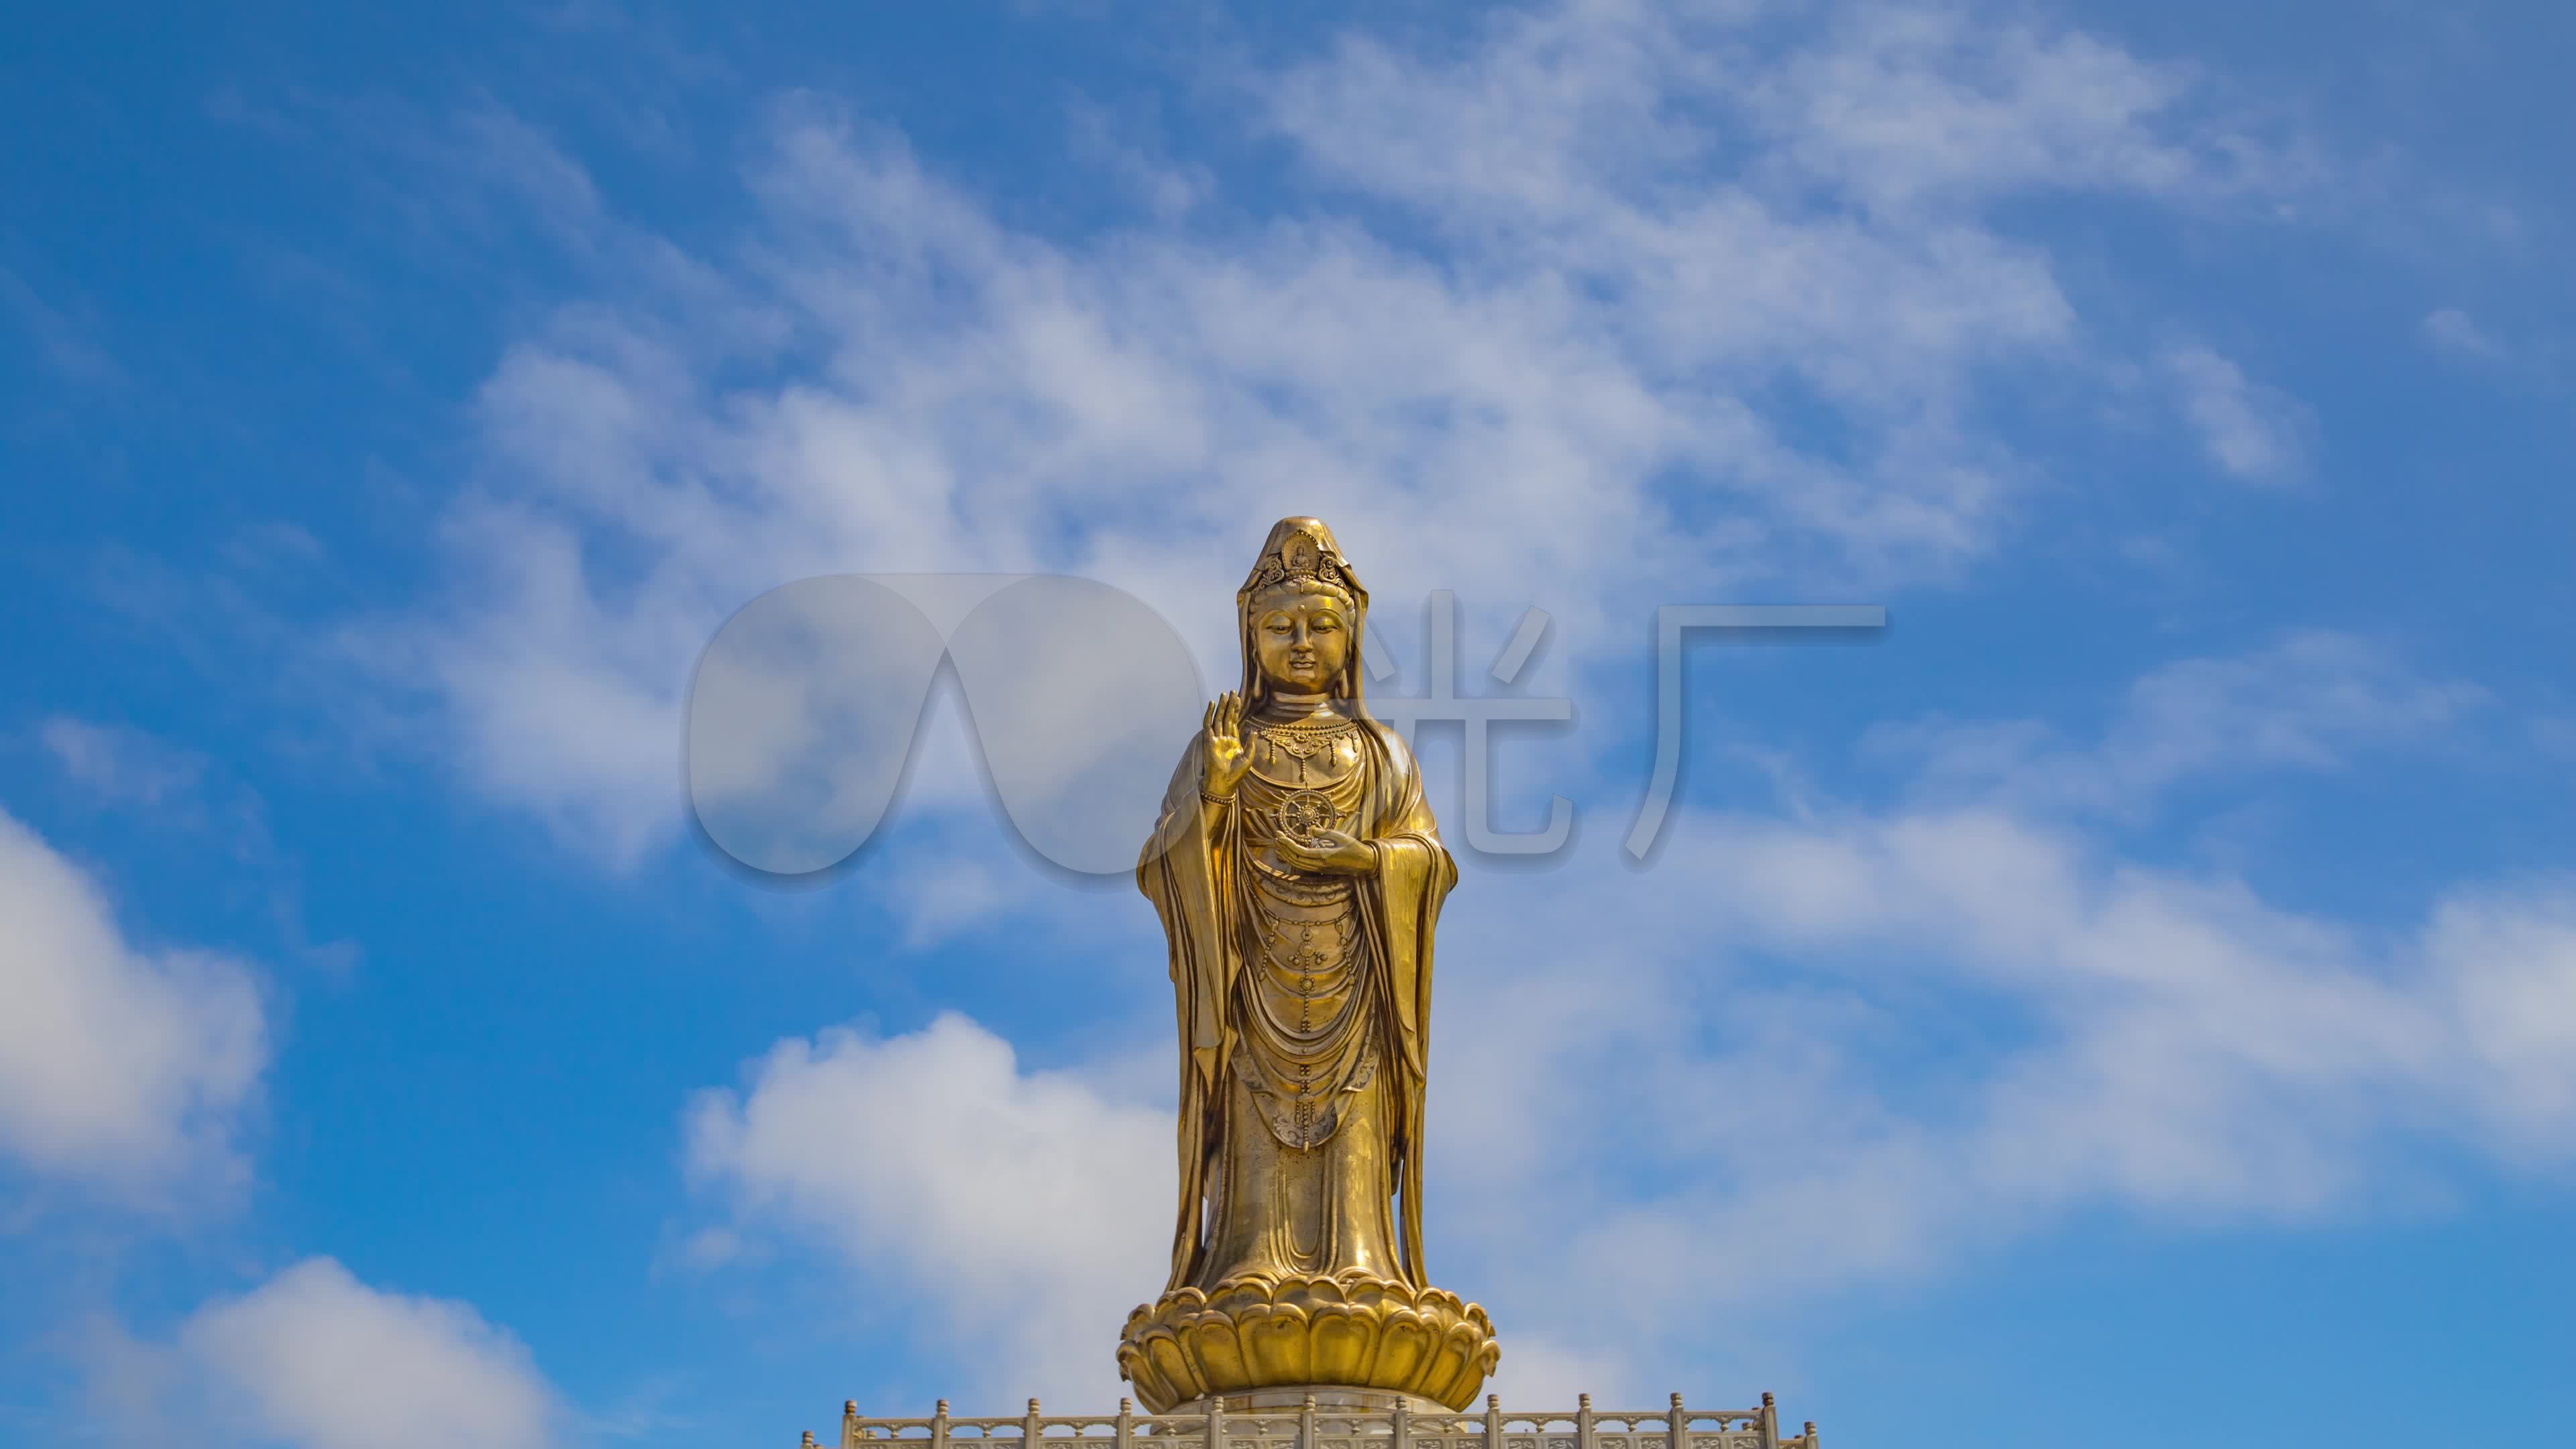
{"points": [[1332, 851]]}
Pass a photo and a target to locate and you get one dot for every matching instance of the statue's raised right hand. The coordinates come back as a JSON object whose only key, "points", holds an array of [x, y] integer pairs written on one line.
{"points": [[1227, 754]]}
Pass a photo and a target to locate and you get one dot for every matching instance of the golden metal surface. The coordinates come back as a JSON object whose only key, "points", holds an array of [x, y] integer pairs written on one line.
{"points": [[1299, 876]]}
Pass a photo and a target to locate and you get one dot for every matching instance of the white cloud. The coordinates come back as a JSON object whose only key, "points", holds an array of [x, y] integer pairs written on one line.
{"points": [[2508, 963], [120, 763], [1567, 383], [315, 1359], [711, 1248], [941, 897], [2313, 700], [2455, 335], [1858, 1045], [119, 1067], [2254, 432], [1168, 189], [1026, 1212], [2199, 1046], [1988, 1024], [1928, 1033], [1910, 105], [1537, 1372]]}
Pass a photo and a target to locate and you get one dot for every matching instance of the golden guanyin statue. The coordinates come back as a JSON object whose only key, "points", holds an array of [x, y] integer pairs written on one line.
{"points": [[1299, 876]]}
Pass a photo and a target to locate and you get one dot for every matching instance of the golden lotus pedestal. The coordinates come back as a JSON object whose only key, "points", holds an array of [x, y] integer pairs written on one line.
{"points": [[1256, 1339]]}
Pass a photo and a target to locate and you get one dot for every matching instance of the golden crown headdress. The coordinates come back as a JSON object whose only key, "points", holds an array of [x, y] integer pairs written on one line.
{"points": [[1302, 554]]}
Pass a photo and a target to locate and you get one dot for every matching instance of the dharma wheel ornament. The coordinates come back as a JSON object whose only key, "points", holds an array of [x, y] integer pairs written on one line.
{"points": [[1299, 877]]}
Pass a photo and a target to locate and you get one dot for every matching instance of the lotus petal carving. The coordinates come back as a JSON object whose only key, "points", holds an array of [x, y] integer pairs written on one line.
{"points": [[1352, 1330]]}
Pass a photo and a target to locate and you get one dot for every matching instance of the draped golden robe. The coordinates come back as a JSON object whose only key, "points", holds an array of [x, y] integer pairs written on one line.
{"points": [[1303, 1002]]}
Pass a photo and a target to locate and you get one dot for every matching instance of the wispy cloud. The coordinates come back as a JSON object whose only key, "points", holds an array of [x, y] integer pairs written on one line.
{"points": [[1915, 106], [2313, 700], [1569, 382], [2457, 337], [2168, 1042], [119, 762], [184, 795], [68, 346], [2254, 432]]}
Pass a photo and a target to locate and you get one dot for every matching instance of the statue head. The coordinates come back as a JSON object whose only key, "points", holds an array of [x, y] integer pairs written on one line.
{"points": [[1302, 612]]}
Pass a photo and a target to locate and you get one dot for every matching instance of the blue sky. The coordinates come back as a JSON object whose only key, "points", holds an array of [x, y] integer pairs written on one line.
{"points": [[2138, 989]]}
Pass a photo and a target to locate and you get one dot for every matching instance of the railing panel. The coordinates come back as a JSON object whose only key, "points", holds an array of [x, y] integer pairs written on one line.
{"points": [[1583, 1427]]}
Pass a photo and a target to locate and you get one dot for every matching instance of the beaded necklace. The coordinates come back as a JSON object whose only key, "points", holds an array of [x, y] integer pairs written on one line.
{"points": [[1302, 741]]}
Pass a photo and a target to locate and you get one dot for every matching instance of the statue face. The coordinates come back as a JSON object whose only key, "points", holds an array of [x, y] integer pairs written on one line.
{"points": [[1301, 640]]}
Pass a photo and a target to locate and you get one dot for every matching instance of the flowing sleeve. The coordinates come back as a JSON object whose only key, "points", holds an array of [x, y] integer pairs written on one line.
{"points": [[1414, 875], [1186, 870]]}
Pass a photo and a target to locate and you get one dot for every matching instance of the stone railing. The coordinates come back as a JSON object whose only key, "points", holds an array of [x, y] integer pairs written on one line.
{"points": [[1312, 1427]]}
